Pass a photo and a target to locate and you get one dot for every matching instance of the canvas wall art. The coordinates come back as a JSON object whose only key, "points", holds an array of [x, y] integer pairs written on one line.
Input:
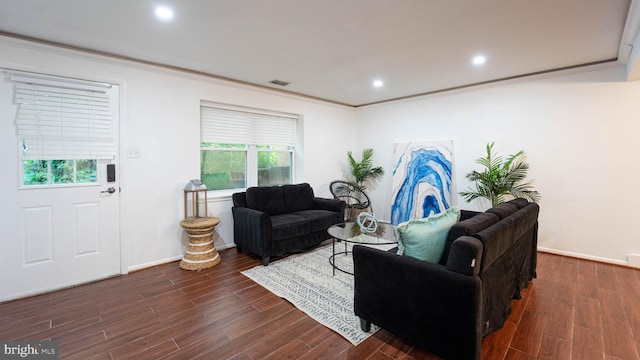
{"points": [[422, 179]]}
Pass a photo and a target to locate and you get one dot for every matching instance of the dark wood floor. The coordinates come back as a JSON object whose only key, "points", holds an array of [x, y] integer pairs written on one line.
{"points": [[575, 309]]}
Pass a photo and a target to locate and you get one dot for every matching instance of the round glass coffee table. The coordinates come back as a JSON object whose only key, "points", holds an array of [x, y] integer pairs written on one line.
{"points": [[349, 233]]}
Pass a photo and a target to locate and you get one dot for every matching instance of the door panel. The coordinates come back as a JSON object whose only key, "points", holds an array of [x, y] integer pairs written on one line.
{"points": [[86, 217], [37, 235]]}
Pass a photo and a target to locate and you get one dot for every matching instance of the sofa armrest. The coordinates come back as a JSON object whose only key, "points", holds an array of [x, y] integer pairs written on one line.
{"points": [[252, 228], [330, 205], [465, 256], [422, 302]]}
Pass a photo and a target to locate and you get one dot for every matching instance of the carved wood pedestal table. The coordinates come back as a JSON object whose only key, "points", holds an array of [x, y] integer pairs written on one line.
{"points": [[201, 253]]}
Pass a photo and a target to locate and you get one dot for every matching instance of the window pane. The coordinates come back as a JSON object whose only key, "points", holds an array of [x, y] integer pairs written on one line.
{"points": [[86, 171], [221, 169], [62, 171], [34, 172], [274, 168]]}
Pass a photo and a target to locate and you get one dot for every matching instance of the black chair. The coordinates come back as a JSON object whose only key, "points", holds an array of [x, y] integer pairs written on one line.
{"points": [[357, 200]]}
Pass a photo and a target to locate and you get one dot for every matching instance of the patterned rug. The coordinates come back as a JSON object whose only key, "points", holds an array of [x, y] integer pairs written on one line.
{"points": [[307, 281]]}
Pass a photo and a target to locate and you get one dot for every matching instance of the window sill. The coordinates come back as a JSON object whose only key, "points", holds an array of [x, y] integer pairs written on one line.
{"points": [[222, 195]]}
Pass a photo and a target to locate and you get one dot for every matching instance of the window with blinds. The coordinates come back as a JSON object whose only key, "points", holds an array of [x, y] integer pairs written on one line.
{"points": [[246, 147], [64, 127], [221, 125]]}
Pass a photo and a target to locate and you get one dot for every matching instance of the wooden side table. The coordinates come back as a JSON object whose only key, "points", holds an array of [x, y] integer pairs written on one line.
{"points": [[201, 253]]}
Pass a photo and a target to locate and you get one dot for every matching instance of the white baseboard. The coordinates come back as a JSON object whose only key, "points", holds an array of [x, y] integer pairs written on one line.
{"points": [[633, 260], [52, 288], [168, 260], [583, 256], [154, 263]]}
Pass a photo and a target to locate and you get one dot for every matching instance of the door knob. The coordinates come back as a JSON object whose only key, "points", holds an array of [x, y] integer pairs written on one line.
{"points": [[110, 190]]}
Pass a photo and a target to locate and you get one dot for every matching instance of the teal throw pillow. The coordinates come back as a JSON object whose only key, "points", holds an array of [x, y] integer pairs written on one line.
{"points": [[424, 239]]}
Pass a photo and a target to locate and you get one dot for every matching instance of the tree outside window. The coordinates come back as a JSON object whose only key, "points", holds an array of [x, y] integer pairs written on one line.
{"points": [[274, 165], [50, 172], [225, 166]]}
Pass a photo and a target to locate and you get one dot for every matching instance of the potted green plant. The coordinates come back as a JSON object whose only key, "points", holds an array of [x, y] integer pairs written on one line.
{"points": [[363, 171], [500, 179], [353, 191]]}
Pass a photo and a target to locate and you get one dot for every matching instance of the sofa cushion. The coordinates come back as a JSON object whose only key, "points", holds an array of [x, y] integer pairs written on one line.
{"points": [[503, 210], [285, 226], [496, 240], [473, 225], [297, 197], [520, 203], [424, 239], [319, 220], [267, 199], [526, 218], [467, 227]]}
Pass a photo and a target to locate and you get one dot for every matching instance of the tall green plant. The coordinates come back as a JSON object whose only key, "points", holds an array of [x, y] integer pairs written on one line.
{"points": [[364, 171], [500, 179]]}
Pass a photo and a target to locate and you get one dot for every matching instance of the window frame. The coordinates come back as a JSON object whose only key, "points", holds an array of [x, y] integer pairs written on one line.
{"points": [[252, 150]]}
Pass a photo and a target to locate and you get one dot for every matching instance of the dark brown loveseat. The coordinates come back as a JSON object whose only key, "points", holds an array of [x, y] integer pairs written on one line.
{"points": [[274, 220]]}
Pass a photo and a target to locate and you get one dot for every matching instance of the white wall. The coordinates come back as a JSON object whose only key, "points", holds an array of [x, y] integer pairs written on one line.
{"points": [[580, 133], [161, 116]]}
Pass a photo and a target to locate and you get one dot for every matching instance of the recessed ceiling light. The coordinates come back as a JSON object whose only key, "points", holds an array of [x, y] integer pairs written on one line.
{"points": [[378, 83], [164, 13], [479, 60]]}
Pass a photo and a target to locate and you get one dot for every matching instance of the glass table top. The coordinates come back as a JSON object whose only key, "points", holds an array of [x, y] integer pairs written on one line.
{"points": [[350, 232]]}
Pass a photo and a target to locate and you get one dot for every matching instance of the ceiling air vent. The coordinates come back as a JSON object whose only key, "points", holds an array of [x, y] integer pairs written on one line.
{"points": [[279, 82]]}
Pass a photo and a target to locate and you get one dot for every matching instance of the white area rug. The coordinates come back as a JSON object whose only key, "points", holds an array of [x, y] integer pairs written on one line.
{"points": [[307, 281]]}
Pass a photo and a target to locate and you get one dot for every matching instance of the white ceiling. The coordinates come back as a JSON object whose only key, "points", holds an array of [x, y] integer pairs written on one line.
{"points": [[334, 49]]}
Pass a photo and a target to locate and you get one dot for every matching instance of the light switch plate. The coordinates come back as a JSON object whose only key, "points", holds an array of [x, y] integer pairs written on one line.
{"points": [[133, 152]]}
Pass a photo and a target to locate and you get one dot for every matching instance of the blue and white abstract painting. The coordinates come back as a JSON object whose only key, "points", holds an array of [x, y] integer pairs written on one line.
{"points": [[422, 179]]}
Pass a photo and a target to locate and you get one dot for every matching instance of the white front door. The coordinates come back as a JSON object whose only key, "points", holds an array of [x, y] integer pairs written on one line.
{"points": [[54, 236]]}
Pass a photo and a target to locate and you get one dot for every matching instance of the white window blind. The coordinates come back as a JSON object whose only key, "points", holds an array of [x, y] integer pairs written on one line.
{"points": [[230, 126], [59, 120]]}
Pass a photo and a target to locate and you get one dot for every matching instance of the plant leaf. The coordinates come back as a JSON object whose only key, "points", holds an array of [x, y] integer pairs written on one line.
{"points": [[500, 178]]}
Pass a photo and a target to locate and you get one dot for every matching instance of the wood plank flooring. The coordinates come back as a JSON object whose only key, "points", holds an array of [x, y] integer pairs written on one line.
{"points": [[575, 309]]}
